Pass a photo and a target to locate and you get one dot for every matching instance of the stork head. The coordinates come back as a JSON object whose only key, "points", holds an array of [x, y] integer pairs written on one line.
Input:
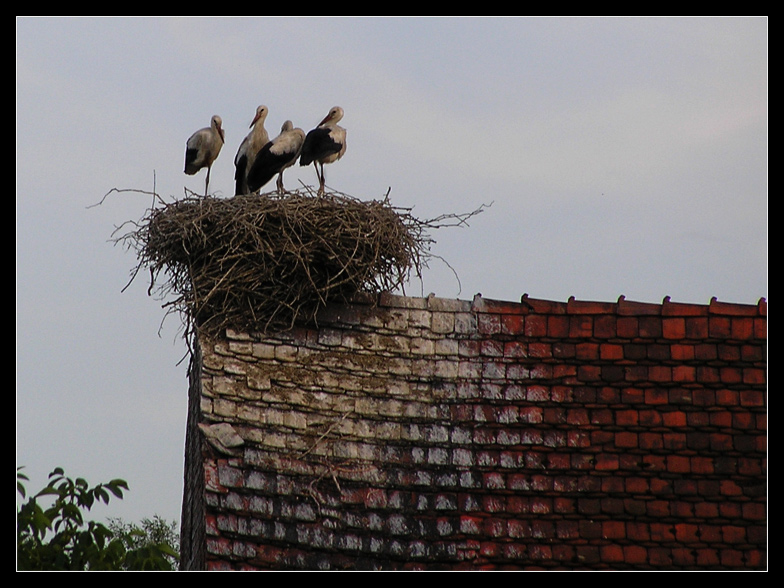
{"points": [[217, 124], [335, 114], [261, 114]]}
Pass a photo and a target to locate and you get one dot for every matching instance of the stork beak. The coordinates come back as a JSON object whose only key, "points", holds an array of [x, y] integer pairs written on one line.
{"points": [[326, 118], [253, 122]]}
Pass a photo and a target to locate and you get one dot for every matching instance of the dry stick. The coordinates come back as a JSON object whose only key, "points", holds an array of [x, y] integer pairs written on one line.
{"points": [[276, 258]]}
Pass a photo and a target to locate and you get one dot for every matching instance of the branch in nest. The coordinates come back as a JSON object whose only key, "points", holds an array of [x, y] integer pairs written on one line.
{"points": [[261, 262]]}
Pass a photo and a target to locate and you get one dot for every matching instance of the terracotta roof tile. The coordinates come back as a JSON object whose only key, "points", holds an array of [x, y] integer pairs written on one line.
{"points": [[428, 433]]}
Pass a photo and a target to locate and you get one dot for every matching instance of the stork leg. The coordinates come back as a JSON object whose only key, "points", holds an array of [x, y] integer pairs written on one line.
{"points": [[280, 183], [321, 181], [207, 183]]}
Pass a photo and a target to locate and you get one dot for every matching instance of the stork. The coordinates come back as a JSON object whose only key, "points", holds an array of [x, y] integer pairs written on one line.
{"points": [[248, 150], [203, 148], [324, 144], [276, 156]]}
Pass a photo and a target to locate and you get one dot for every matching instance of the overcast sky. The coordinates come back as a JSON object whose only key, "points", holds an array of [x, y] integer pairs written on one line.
{"points": [[621, 157]]}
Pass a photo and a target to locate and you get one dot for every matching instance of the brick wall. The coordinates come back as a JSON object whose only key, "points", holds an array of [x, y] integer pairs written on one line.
{"points": [[426, 433]]}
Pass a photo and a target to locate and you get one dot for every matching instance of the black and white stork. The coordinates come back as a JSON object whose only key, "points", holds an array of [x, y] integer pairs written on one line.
{"points": [[203, 148], [324, 144], [248, 150], [276, 156]]}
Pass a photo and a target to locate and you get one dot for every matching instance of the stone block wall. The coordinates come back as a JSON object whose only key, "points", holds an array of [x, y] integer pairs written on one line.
{"points": [[430, 433]]}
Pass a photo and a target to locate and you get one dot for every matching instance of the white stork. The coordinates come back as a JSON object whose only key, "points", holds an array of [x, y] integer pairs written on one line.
{"points": [[248, 150], [203, 148], [276, 156], [324, 144]]}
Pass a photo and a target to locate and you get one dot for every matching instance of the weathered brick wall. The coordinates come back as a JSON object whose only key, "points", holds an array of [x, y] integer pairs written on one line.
{"points": [[425, 433]]}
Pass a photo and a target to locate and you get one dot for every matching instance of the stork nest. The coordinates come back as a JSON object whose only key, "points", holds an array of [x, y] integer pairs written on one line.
{"points": [[268, 262]]}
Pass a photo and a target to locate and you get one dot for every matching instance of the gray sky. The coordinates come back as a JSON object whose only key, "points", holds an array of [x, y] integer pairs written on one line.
{"points": [[621, 156]]}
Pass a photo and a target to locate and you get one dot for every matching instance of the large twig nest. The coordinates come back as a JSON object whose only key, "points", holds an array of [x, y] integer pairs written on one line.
{"points": [[262, 262]]}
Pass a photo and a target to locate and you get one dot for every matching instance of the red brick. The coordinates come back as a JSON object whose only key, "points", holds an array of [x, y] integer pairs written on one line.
{"points": [[754, 558], [719, 327], [613, 530], [727, 397], [650, 418], [626, 439], [635, 554], [638, 532], [734, 534], [754, 376], [706, 352], [540, 350], [727, 352], [628, 327], [697, 328], [754, 512], [706, 510], [655, 463], [636, 485], [752, 398], [531, 414], [512, 324], [658, 508], [687, 533], [587, 351], [680, 396], [752, 353], [750, 467], [721, 419], [684, 556], [730, 488], [650, 327], [674, 328], [578, 416], [660, 557], [761, 329], [742, 328], [675, 418], [702, 465], [732, 558], [590, 373], [656, 396], [682, 510], [674, 441], [707, 557], [612, 484], [704, 397], [606, 462], [589, 307], [680, 352], [580, 326], [488, 324], [683, 373], [610, 352], [730, 510], [662, 532], [555, 326], [626, 417], [632, 395], [730, 375], [515, 349], [611, 553], [651, 441], [678, 464], [540, 552], [605, 327]]}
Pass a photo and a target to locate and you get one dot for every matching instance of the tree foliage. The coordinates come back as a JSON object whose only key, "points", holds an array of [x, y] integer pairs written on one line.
{"points": [[57, 537], [146, 540]]}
